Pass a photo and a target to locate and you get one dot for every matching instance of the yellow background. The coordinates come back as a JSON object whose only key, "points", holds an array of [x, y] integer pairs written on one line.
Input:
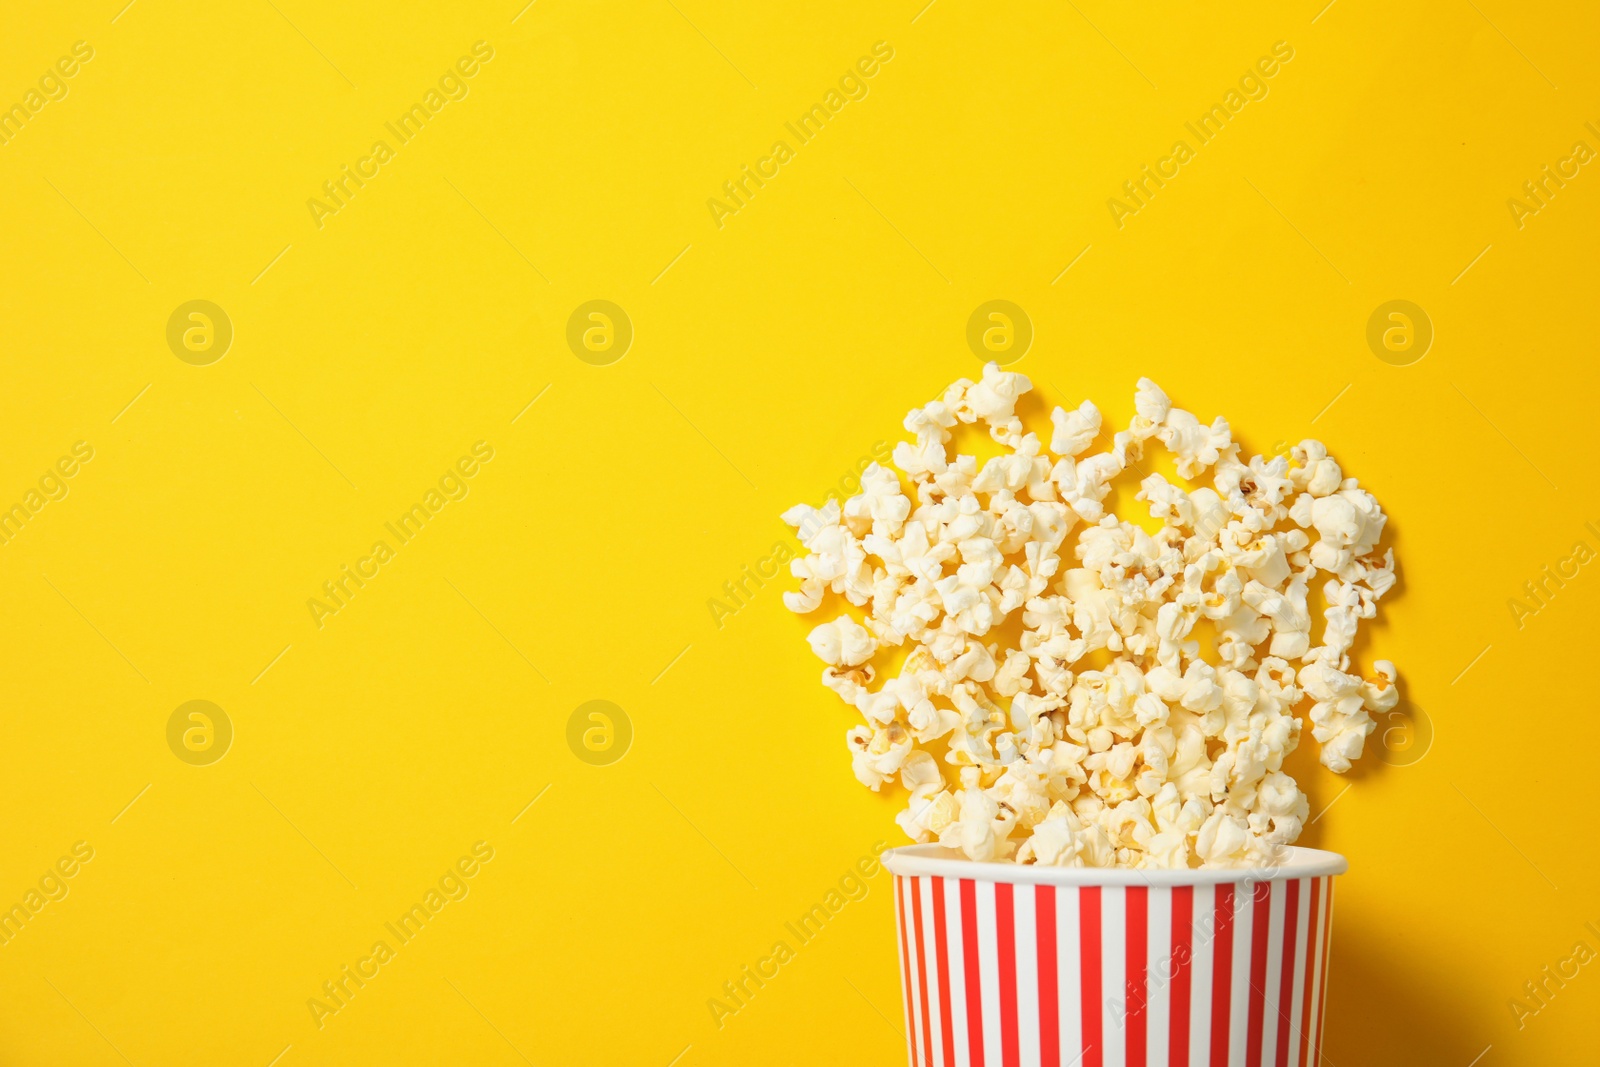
{"points": [[773, 354]]}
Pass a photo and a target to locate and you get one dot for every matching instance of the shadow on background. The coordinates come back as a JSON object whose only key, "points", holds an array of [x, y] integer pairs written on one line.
{"points": [[1386, 1007]]}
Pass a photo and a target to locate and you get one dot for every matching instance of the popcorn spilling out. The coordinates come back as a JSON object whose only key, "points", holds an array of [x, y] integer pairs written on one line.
{"points": [[1077, 691]]}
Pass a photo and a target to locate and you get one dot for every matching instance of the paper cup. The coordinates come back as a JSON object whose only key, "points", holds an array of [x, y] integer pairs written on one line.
{"points": [[1010, 966]]}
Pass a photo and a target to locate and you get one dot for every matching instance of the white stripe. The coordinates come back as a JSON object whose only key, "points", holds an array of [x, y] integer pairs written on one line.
{"points": [[1069, 974], [1158, 976], [1271, 982], [1314, 1054], [1302, 958], [901, 919], [1314, 967], [956, 949], [914, 1034], [1113, 972], [1204, 954], [1239, 1000], [988, 973], [930, 950], [1026, 903]]}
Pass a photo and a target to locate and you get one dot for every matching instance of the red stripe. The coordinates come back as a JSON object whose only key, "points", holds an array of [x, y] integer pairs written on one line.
{"points": [[1137, 903], [1310, 967], [1291, 916], [922, 970], [1327, 948], [1005, 932], [969, 962], [943, 950], [905, 948], [1222, 976], [1261, 914], [1044, 916], [1089, 957], [1182, 962]]}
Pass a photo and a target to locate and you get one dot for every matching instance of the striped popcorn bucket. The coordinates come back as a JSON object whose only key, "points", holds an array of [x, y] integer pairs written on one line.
{"points": [[1012, 966]]}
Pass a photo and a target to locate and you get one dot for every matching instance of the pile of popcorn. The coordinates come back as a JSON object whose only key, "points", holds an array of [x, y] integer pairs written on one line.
{"points": [[1053, 705]]}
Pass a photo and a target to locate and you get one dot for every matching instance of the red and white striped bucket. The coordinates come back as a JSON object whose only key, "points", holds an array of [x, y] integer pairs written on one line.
{"points": [[1011, 966]]}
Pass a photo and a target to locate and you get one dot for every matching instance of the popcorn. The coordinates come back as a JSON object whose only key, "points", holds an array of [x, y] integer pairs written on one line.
{"points": [[1075, 430], [1115, 698], [842, 642]]}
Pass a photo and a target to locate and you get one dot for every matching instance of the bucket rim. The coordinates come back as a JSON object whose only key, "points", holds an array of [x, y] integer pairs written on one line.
{"points": [[919, 861]]}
